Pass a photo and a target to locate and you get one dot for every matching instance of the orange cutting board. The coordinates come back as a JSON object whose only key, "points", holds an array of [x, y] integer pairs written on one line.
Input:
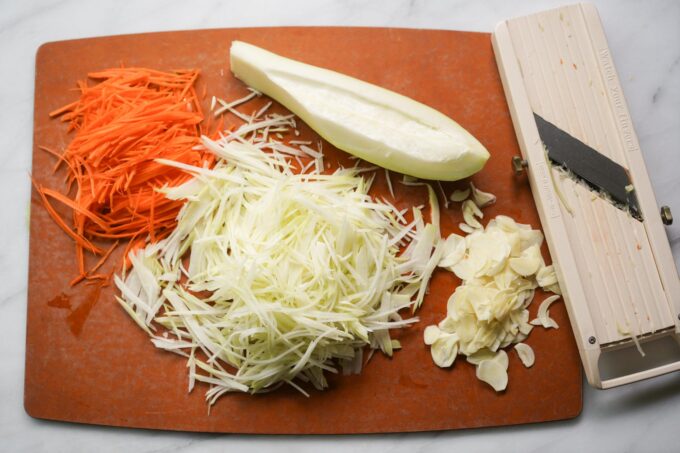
{"points": [[86, 361]]}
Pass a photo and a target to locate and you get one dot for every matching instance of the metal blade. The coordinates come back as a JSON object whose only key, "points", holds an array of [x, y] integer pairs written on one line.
{"points": [[593, 168]]}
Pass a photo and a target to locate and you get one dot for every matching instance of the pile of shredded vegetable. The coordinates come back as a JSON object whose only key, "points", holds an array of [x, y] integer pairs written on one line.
{"points": [[272, 276], [131, 117]]}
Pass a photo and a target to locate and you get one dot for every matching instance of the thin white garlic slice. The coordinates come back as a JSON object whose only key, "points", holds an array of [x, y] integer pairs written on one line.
{"points": [[506, 223], [554, 288], [502, 359], [465, 228], [526, 354], [459, 195], [481, 198], [431, 334], [479, 356], [445, 349], [528, 238], [542, 317], [546, 276], [528, 262], [453, 250], [470, 214], [493, 374]]}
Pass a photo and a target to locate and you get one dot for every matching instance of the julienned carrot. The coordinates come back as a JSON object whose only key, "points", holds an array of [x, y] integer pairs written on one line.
{"points": [[122, 124]]}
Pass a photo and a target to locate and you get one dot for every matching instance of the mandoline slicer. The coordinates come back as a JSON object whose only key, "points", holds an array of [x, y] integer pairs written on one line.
{"points": [[593, 194]]}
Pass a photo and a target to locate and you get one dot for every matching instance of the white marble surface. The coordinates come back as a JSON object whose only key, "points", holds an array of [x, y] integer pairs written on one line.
{"points": [[645, 41]]}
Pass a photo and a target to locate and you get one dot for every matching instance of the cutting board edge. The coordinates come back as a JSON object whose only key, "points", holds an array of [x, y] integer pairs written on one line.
{"points": [[48, 44]]}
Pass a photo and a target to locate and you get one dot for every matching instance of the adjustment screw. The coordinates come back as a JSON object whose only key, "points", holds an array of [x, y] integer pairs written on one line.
{"points": [[666, 215], [592, 340], [518, 165]]}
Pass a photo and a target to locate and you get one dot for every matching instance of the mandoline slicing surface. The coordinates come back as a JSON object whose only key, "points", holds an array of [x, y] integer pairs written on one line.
{"points": [[87, 362], [568, 72]]}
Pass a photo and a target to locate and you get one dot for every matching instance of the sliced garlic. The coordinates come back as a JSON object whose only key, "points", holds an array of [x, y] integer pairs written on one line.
{"points": [[524, 298], [513, 241], [447, 325], [454, 250], [530, 238], [482, 199], [554, 288], [459, 195], [488, 311], [520, 337], [543, 319], [476, 211], [505, 279], [548, 323], [493, 374], [545, 305], [482, 301], [528, 262], [526, 354], [502, 359], [465, 228], [479, 356], [444, 350], [468, 267], [496, 249], [507, 223], [470, 214], [431, 334], [525, 328], [546, 276]]}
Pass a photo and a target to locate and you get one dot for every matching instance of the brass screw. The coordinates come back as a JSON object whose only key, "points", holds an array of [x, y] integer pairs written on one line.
{"points": [[666, 215], [518, 165]]}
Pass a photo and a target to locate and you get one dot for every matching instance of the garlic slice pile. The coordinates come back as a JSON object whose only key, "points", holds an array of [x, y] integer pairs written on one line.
{"points": [[501, 266]]}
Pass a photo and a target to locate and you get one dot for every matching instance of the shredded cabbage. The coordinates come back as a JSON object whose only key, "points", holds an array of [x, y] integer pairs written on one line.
{"points": [[274, 277]]}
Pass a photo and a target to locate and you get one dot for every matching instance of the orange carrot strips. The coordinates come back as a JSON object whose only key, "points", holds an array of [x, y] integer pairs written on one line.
{"points": [[121, 125]]}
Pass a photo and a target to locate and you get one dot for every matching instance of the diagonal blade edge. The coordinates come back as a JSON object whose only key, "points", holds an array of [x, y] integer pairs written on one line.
{"points": [[595, 169]]}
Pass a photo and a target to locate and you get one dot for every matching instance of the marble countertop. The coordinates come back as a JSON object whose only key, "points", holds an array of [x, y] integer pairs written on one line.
{"points": [[645, 41]]}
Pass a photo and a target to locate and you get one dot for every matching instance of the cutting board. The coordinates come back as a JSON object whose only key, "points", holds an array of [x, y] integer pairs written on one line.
{"points": [[86, 361]]}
